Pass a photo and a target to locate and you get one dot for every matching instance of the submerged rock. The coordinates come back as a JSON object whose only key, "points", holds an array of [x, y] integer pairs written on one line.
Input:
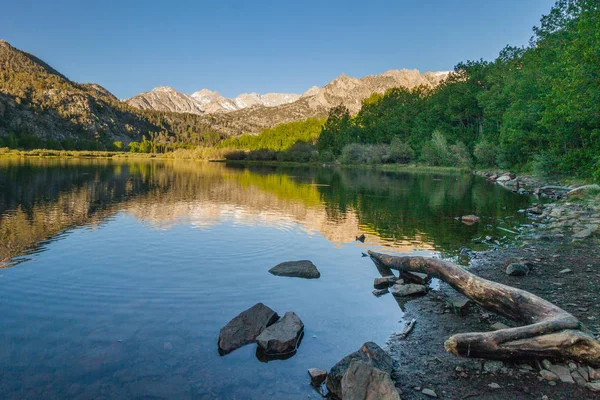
{"points": [[298, 269], [380, 292], [282, 337], [245, 328], [370, 353], [408, 289], [470, 219], [317, 376], [362, 381]]}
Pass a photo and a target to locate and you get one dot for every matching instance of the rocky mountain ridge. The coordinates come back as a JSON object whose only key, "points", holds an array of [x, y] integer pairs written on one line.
{"points": [[40, 105], [205, 101], [344, 89]]}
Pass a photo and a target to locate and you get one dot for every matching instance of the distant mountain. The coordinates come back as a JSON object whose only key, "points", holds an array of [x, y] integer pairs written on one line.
{"points": [[316, 102], [38, 104], [38, 101], [205, 101]]}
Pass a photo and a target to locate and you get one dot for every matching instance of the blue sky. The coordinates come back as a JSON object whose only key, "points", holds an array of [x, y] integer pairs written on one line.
{"points": [[263, 46]]}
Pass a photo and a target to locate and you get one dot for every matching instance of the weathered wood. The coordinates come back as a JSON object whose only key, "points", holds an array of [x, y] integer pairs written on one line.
{"points": [[547, 332]]}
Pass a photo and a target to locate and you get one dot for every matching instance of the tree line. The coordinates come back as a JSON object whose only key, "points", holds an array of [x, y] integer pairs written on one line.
{"points": [[533, 107]]}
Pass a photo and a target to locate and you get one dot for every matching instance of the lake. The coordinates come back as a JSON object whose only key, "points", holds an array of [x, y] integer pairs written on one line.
{"points": [[116, 276]]}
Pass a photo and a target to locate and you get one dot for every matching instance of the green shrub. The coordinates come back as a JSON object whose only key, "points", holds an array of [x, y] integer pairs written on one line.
{"points": [[545, 165], [486, 153], [461, 156], [326, 156], [353, 153], [400, 152], [236, 155], [262, 155], [436, 152]]}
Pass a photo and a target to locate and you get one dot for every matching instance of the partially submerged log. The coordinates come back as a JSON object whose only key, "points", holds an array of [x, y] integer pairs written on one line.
{"points": [[547, 332]]}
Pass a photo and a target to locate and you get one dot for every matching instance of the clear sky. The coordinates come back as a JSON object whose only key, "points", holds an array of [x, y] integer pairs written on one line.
{"points": [[263, 46]]}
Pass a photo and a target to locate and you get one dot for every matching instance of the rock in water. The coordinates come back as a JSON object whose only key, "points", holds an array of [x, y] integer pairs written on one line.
{"points": [[414, 277], [408, 289], [298, 269], [245, 328], [282, 337], [470, 219], [362, 381], [380, 292], [385, 282], [370, 353], [517, 269], [317, 376]]}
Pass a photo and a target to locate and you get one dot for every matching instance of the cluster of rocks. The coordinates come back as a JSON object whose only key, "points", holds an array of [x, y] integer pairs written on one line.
{"points": [[259, 324], [576, 220], [583, 376], [529, 185], [407, 284], [275, 337], [570, 373], [362, 375]]}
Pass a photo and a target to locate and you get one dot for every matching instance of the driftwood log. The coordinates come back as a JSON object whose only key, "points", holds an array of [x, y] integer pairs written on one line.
{"points": [[547, 331]]}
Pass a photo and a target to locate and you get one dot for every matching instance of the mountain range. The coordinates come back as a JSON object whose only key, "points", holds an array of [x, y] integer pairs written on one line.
{"points": [[165, 98], [342, 90], [38, 101]]}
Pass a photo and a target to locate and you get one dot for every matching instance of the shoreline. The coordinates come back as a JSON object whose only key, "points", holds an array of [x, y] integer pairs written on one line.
{"points": [[563, 251]]}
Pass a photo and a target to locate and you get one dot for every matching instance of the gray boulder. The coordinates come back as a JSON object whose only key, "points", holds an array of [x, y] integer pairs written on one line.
{"points": [[517, 269], [298, 269], [370, 353], [362, 381], [408, 290], [282, 337], [245, 328]]}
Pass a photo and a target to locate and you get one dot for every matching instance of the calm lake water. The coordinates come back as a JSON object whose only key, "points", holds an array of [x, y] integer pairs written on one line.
{"points": [[118, 275]]}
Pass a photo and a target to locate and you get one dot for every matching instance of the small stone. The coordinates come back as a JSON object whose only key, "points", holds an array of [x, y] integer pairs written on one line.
{"points": [[385, 282], [470, 219], [317, 376], [548, 376], [594, 374], [408, 289], [580, 380], [498, 326], [459, 304], [298, 269], [552, 383], [428, 392], [562, 371], [565, 271], [492, 366], [380, 292], [414, 277], [572, 366], [517, 269], [526, 367], [584, 373], [494, 385], [593, 386], [546, 364]]}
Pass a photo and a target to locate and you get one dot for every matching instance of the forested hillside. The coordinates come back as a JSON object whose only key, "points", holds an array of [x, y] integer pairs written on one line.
{"points": [[39, 107], [534, 107]]}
